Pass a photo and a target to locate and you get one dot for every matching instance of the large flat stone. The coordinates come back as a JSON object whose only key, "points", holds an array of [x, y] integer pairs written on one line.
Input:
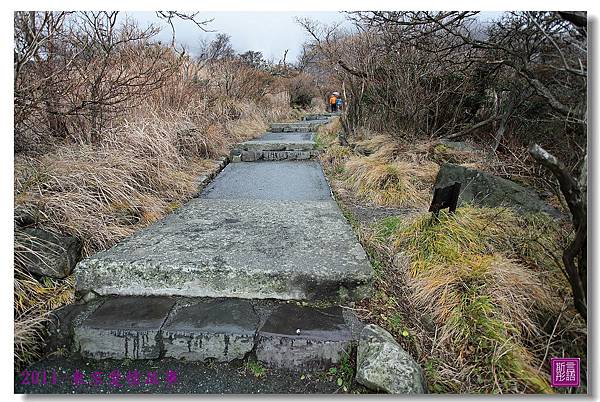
{"points": [[320, 117], [484, 189], [253, 156], [270, 181], [245, 248], [219, 329], [303, 337], [125, 327]]}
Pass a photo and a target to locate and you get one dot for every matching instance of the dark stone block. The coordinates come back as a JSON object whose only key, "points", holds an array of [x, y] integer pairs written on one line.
{"points": [[219, 329], [46, 253], [303, 338]]}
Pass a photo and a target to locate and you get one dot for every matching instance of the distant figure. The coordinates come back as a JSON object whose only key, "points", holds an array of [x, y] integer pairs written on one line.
{"points": [[338, 104], [333, 103]]}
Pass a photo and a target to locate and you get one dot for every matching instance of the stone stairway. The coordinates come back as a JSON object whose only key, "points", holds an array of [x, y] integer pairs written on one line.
{"points": [[258, 264]]}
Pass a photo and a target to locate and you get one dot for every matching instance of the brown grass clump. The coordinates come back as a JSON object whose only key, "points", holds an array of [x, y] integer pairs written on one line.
{"points": [[441, 153], [391, 183], [388, 176]]}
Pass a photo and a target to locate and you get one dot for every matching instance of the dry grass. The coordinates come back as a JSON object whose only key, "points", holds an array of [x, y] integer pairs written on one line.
{"points": [[398, 183], [440, 152], [486, 293], [382, 178]]}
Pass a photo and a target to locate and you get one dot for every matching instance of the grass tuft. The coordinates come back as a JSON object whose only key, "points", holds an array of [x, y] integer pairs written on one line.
{"points": [[397, 183]]}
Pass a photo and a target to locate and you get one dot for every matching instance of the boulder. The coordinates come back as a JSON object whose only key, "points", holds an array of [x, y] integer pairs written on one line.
{"points": [[484, 189], [46, 253], [383, 365]]}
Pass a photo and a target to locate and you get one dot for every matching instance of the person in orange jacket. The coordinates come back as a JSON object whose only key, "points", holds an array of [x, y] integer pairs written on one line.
{"points": [[333, 103]]}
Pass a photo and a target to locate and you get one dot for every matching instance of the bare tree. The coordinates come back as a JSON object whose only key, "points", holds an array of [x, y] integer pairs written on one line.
{"points": [[74, 71]]}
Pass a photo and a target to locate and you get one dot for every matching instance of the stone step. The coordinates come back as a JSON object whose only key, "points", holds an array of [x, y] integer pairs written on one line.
{"points": [[253, 156], [280, 335], [301, 126], [276, 146], [260, 230], [322, 116]]}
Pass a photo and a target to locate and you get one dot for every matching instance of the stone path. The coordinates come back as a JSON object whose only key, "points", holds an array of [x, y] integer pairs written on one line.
{"points": [[212, 280], [259, 230]]}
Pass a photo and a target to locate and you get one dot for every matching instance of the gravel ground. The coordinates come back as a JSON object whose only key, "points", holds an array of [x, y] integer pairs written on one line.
{"points": [[190, 378]]}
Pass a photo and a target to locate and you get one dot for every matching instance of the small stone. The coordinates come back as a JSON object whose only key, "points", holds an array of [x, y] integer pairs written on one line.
{"points": [[89, 296], [383, 365], [298, 331]]}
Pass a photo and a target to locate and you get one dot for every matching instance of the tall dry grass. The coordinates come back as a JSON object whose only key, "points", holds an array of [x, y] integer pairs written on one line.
{"points": [[484, 279]]}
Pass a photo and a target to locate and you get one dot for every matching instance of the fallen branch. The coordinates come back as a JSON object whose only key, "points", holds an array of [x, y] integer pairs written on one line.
{"points": [[472, 128]]}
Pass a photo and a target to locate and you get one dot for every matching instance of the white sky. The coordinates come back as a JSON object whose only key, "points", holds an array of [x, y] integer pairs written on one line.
{"points": [[268, 32]]}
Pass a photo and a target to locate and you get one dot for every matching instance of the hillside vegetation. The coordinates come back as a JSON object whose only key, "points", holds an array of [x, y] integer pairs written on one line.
{"points": [[113, 129]]}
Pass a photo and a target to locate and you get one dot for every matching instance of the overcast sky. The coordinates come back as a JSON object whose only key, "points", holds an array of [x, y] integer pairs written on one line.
{"points": [[268, 32]]}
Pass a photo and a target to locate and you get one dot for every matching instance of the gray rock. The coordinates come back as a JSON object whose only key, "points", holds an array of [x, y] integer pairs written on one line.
{"points": [[220, 329], [46, 253], [383, 365], [296, 337], [484, 189]]}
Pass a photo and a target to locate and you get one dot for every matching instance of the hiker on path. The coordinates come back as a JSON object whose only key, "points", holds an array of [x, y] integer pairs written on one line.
{"points": [[333, 103], [338, 104]]}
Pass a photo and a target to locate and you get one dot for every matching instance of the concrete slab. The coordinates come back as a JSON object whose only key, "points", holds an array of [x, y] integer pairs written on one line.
{"points": [[277, 145], [270, 181], [221, 329], [298, 337], [237, 248], [125, 327], [301, 141], [320, 117]]}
